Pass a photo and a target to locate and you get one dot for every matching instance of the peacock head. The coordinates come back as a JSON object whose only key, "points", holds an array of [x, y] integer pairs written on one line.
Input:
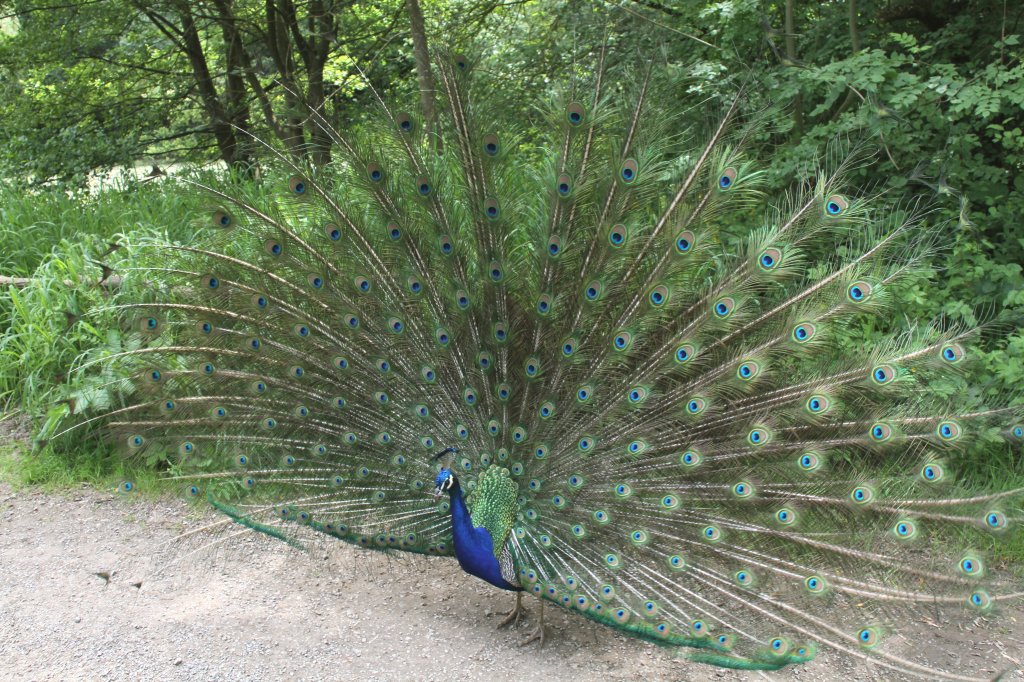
{"points": [[445, 482]]}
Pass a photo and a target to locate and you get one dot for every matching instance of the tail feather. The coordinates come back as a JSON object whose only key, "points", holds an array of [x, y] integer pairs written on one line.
{"points": [[705, 455]]}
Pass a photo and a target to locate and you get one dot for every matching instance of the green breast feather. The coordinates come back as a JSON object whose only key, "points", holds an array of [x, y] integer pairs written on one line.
{"points": [[492, 505]]}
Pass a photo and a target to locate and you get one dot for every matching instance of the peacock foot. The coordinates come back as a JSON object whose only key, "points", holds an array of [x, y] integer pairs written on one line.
{"points": [[538, 632], [536, 635], [513, 616]]}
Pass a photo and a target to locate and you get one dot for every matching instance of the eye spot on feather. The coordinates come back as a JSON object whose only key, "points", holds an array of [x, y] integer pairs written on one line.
{"points": [[748, 370], [222, 219], [723, 307], [690, 459], [727, 179], [684, 353], [785, 516], [996, 520], [815, 584], [554, 246], [405, 122], [743, 578], [685, 241], [445, 245], [575, 113], [905, 529], [628, 171], [883, 374], [818, 404], [868, 637], [743, 489], [952, 353], [804, 332], [332, 231], [564, 186], [858, 292], [836, 205], [769, 259], [880, 432], [759, 436], [617, 235], [491, 145], [297, 185], [948, 431], [862, 494], [809, 461], [980, 600], [491, 209]]}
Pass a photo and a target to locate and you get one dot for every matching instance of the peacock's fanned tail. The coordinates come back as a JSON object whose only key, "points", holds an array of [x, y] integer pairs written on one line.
{"points": [[659, 354]]}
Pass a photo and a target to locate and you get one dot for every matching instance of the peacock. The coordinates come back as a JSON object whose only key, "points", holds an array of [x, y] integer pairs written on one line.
{"points": [[584, 353]]}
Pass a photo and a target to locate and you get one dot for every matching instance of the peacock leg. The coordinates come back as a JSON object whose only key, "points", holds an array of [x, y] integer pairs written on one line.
{"points": [[515, 614], [538, 632]]}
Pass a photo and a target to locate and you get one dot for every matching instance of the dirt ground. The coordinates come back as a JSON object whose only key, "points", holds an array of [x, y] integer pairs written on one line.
{"points": [[95, 585]]}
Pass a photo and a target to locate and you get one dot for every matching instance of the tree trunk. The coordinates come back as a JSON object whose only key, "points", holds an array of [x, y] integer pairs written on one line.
{"points": [[421, 53]]}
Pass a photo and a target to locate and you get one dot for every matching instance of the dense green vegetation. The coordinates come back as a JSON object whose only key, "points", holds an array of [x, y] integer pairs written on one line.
{"points": [[937, 89]]}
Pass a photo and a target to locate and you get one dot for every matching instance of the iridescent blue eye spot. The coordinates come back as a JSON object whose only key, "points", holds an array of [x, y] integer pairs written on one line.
{"points": [[627, 174], [1018, 431], [563, 188], [334, 234], [424, 189], [491, 148], [858, 292], [657, 298], [213, 282], [836, 205], [585, 444], [376, 175], [591, 293], [317, 282], [364, 285], [395, 233]]}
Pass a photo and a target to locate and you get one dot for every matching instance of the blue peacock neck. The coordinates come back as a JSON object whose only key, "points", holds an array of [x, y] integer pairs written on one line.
{"points": [[474, 547]]}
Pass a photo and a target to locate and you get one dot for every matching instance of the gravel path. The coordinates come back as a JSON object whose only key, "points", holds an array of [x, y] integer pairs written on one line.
{"points": [[93, 586]]}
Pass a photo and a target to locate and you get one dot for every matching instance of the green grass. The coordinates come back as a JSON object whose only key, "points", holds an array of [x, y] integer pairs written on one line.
{"points": [[88, 462]]}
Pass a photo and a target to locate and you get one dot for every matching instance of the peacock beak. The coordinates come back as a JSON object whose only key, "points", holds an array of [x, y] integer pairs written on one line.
{"points": [[437, 493]]}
